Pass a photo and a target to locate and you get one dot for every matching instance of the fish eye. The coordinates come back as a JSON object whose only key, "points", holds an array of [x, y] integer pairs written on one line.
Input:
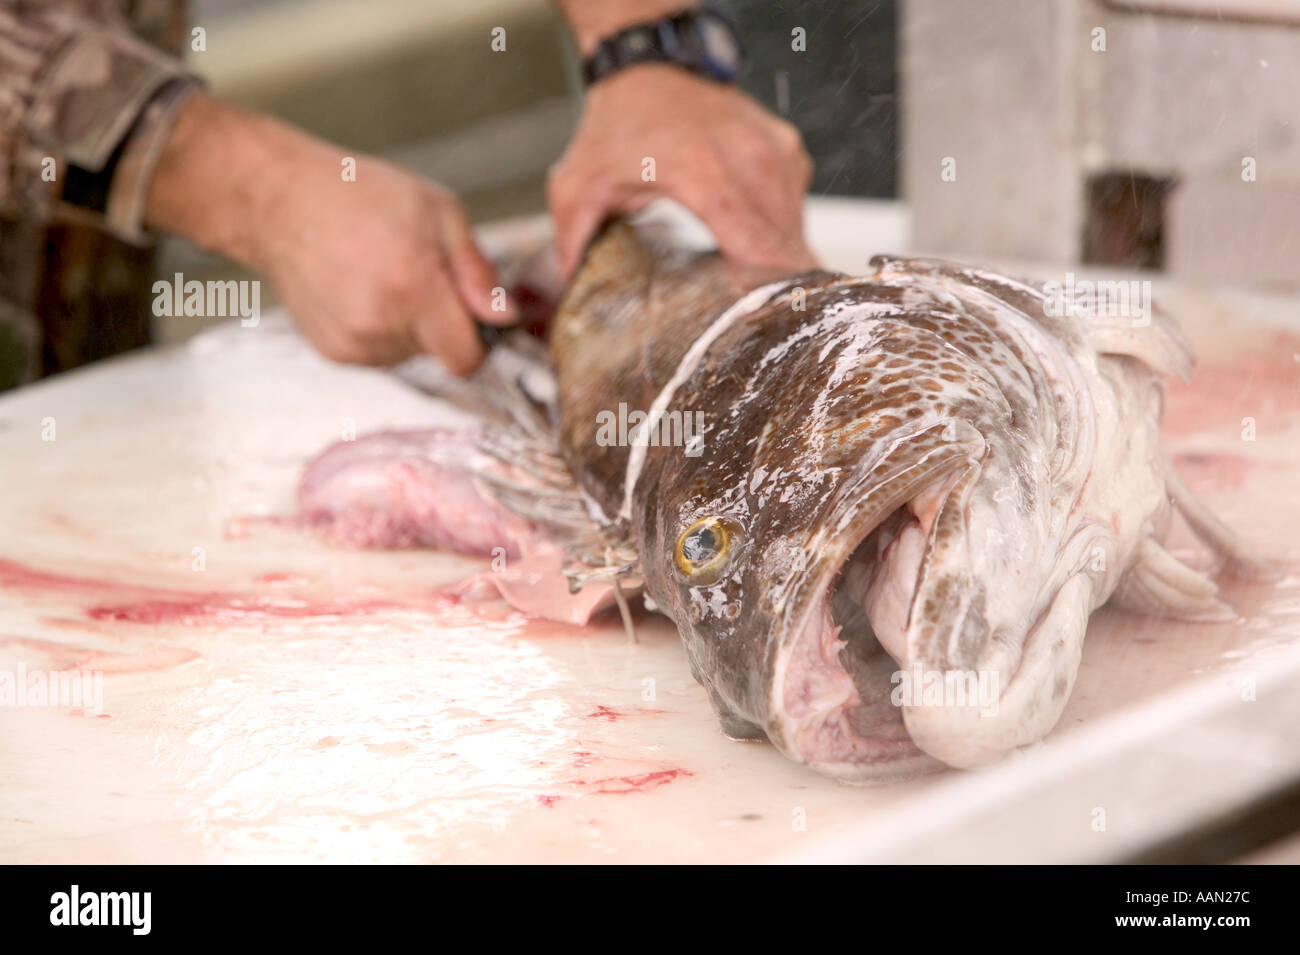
{"points": [[702, 547]]}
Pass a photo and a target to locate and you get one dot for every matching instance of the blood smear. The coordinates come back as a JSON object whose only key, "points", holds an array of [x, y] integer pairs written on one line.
{"points": [[286, 606], [642, 782], [231, 609]]}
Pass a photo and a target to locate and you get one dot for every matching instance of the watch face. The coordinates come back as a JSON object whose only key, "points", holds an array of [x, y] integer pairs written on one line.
{"points": [[719, 43], [699, 41], [635, 43]]}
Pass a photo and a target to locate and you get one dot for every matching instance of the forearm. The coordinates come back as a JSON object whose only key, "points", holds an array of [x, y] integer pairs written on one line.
{"points": [[592, 20], [219, 174]]}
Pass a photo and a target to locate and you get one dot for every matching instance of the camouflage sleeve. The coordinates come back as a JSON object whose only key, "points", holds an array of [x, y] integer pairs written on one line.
{"points": [[81, 99]]}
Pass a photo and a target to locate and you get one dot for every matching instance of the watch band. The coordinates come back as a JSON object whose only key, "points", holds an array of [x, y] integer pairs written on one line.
{"points": [[700, 39]]}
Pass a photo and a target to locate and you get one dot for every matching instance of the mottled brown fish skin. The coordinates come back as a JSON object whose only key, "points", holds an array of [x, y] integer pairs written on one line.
{"points": [[619, 333]]}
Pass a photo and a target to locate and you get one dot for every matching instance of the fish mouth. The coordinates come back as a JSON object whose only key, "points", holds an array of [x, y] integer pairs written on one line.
{"points": [[831, 699]]}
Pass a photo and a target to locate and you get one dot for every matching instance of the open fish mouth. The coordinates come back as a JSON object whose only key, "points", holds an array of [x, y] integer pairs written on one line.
{"points": [[833, 701], [832, 698]]}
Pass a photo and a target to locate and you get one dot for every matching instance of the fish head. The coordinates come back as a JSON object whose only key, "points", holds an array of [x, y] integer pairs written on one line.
{"points": [[861, 501]]}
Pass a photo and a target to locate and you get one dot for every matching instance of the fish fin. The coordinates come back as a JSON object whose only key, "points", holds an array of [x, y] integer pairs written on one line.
{"points": [[535, 585], [1161, 585], [518, 375], [519, 462], [504, 467], [531, 478], [515, 385], [1239, 559], [1159, 343]]}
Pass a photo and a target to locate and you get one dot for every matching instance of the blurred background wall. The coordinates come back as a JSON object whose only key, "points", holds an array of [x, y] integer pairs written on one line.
{"points": [[1155, 133]]}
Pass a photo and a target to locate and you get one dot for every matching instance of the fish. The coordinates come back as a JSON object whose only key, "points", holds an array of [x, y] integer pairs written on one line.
{"points": [[879, 509]]}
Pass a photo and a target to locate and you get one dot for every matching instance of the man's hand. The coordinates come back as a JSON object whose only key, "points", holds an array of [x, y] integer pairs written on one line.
{"points": [[740, 169], [373, 270], [378, 269]]}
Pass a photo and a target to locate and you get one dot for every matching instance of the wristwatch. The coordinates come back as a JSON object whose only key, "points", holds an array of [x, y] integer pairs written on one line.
{"points": [[701, 40]]}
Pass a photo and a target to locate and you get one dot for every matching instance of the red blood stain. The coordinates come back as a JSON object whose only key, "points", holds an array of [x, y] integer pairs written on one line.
{"points": [[616, 785], [231, 608], [639, 783], [536, 308], [155, 605], [116, 602], [279, 578], [613, 715]]}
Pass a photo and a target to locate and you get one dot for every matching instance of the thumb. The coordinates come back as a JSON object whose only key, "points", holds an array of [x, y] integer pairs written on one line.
{"points": [[475, 277], [577, 209]]}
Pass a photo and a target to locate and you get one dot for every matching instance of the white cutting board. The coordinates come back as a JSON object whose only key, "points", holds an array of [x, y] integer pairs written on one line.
{"points": [[295, 702]]}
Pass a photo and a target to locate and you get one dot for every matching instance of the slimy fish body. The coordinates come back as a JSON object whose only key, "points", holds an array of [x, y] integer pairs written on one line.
{"points": [[906, 494]]}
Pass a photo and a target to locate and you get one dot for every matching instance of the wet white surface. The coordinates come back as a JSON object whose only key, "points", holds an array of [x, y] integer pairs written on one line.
{"points": [[291, 702]]}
